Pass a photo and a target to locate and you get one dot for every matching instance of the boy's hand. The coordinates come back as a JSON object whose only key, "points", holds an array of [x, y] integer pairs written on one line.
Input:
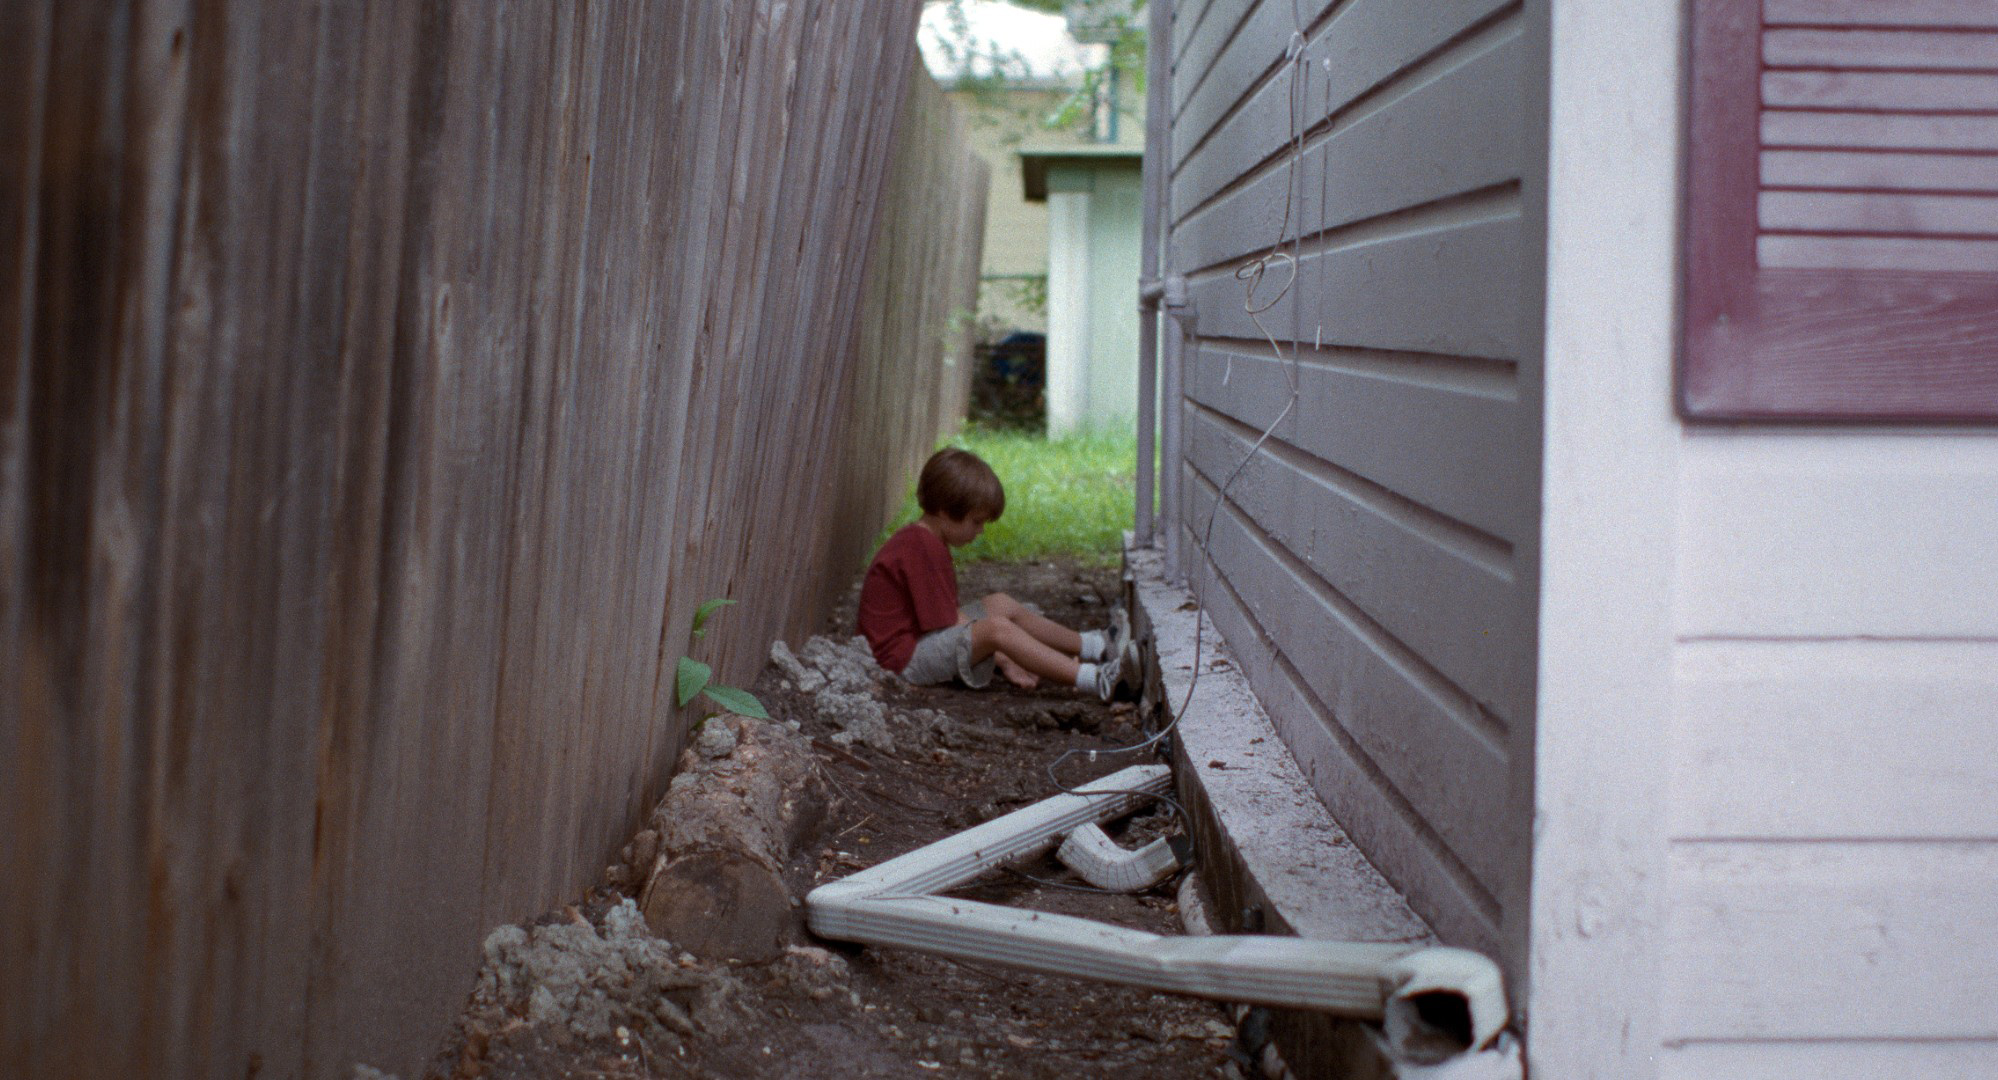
{"points": [[1015, 674]]}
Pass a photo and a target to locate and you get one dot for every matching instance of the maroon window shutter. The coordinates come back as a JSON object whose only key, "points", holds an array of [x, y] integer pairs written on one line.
{"points": [[1842, 211]]}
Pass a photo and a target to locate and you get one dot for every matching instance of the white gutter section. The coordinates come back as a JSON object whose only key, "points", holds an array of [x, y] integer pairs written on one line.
{"points": [[1406, 985]]}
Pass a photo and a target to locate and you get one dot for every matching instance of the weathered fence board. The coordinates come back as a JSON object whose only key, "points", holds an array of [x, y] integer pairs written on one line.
{"points": [[381, 388]]}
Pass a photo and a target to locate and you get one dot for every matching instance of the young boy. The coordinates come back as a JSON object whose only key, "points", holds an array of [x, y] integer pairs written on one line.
{"points": [[908, 601]]}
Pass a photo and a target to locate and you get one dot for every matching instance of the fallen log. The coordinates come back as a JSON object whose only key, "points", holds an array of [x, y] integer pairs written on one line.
{"points": [[748, 793]]}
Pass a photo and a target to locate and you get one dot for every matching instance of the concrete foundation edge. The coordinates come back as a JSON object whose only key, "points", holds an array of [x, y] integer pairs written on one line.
{"points": [[1271, 857]]}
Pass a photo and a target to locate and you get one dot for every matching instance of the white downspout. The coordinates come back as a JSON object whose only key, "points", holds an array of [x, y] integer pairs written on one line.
{"points": [[1172, 383], [1179, 316], [897, 904], [1158, 130], [1172, 389]]}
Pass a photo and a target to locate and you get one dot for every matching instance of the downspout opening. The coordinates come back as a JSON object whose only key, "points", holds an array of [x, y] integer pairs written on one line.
{"points": [[1430, 1027], [1443, 1002]]}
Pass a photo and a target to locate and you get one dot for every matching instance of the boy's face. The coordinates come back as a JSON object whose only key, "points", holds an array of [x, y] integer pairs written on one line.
{"points": [[958, 532]]}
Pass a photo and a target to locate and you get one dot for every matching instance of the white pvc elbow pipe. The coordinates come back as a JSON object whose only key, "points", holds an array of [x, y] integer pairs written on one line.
{"points": [[1096, 859]]}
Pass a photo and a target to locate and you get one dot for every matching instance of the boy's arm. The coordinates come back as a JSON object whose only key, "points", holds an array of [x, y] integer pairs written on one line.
{"points": [[932, 585]]}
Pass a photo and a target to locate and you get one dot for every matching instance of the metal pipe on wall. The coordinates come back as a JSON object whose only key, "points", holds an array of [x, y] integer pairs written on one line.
{"points": [[1148, 347], [1172, 392], [1168, 289], [1158, 132]]}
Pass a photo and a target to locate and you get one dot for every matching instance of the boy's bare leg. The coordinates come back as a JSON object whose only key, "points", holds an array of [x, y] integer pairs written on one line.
{"points": [[1044, 630], [1014, 673], [998, 634]]}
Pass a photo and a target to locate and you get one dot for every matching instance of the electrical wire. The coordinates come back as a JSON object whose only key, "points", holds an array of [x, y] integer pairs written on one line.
{"points": [[1064, 885]]}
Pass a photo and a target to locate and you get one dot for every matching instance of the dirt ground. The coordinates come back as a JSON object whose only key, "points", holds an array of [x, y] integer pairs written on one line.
{"points": [[825, 1009]]}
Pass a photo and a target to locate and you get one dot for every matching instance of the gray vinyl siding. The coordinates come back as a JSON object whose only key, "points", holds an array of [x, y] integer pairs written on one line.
{"points": [[1373, 567]]}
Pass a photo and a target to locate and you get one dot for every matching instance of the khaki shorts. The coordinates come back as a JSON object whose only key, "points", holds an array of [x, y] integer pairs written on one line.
{"points": [[943, 655]]}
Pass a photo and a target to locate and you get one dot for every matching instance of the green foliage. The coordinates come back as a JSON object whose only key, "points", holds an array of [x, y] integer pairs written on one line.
{"points": [[693, 679], [706, 609], [740, 702], [962, 51], [1070, 496], [1102, 91], [1120, 23], [1097, 105], [1030, 292]]}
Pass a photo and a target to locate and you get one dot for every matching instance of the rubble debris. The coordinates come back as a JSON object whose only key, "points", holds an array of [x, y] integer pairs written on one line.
{"points": [[859, 718], [812, 972], [715, 739], [844, 685], [796, 675], [570, 982], [848, 666]]}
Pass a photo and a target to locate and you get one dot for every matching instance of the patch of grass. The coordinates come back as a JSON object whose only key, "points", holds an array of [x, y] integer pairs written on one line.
{"points": [[1068, 496]]}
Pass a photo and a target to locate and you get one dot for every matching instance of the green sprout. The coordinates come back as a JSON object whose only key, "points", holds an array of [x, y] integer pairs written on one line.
{"points": [[695, 679]]}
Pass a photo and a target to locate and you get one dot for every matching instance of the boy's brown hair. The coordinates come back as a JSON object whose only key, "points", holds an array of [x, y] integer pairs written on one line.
{"points": [[957, 482]]}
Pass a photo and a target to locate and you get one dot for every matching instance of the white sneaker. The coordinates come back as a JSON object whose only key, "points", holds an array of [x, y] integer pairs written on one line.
{"points": [[1108, 674], [1130, 664], [1118, 634]]}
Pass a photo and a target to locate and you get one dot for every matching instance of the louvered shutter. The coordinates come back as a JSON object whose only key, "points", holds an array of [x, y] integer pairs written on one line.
{"points": [[1842, 211]]}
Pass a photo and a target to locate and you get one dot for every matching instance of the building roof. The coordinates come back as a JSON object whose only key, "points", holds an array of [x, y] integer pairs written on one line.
{"points": [[1034, 162]]}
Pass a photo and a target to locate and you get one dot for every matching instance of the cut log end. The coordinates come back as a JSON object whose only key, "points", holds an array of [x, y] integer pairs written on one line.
{"points": [[719, 904]]}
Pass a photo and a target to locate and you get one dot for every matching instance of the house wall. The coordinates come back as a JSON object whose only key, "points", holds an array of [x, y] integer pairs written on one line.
{"points": [[1610, 474], [1832, 805], [1744, 676], [1375, 566], [382, 387], [1766, 836]]}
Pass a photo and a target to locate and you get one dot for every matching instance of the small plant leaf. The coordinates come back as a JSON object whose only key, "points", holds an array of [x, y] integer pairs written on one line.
{"points": [[701, 615], [740, 702], [691, 679]]}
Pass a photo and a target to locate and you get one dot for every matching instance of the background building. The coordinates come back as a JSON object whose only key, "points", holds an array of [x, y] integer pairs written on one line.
{"points": [[1093, 195], [1034, 83]]}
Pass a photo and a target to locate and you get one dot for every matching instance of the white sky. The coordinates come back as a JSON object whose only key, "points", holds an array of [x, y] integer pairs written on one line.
{"points": [[1037, 38]]}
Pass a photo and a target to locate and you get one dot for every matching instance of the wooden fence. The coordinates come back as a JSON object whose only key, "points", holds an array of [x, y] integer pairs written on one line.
{"points": [[382, 385]]}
